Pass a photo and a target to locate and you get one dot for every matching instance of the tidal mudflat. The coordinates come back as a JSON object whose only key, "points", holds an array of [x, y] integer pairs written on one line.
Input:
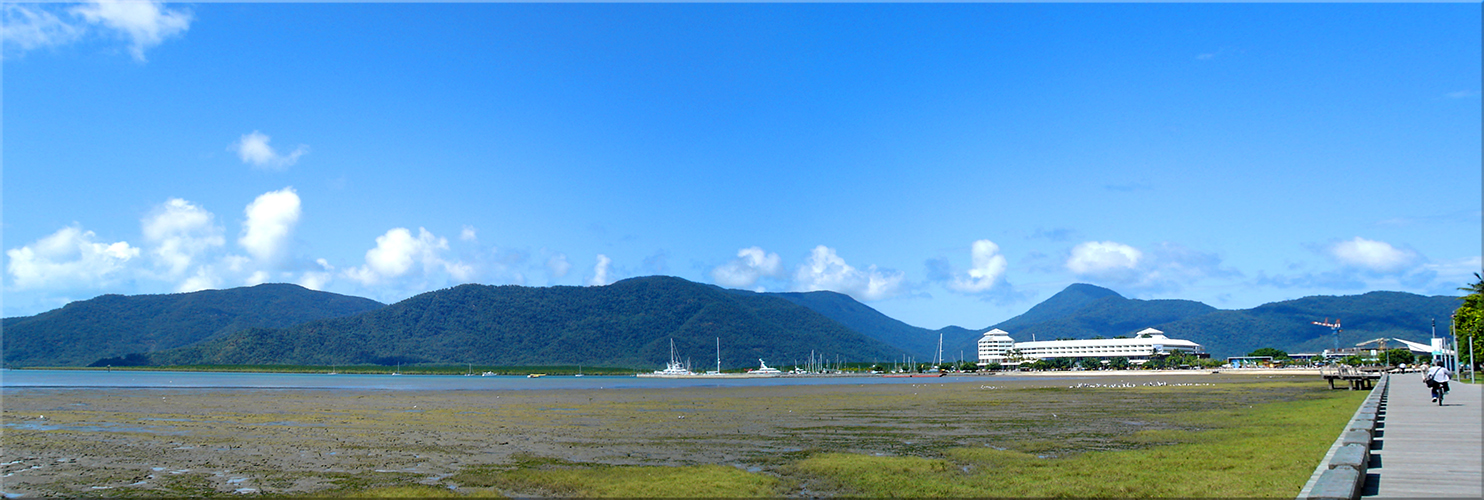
{"points": [[800, 440]]}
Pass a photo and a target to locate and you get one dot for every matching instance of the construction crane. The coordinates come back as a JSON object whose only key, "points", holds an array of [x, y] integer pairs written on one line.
{"points": [[1334, 327]]}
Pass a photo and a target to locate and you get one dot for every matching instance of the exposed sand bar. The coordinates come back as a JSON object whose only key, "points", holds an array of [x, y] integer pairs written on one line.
{"points": [[69, 442]]}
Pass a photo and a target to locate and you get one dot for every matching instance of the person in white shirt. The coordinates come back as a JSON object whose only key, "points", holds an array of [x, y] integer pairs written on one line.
{"points": [[1437, 378]]}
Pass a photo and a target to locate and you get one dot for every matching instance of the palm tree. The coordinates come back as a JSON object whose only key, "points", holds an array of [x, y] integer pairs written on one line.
{"points": [[1477, 288]]}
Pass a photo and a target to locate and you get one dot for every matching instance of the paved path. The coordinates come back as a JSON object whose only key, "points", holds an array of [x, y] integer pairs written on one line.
{"points": [[1427, 450]]}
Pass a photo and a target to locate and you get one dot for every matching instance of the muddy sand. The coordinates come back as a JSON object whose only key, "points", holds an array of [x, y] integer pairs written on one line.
{"points": [[201, 442]]}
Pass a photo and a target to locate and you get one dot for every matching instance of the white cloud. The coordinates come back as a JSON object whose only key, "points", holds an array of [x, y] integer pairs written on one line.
{"points": [[204, 279], [751, 264], [557, 266], [67, 258], [989, 267], [254, 149], [269, 228], [316, 280], [468, 234], [31, 27], [144, 23], [1370, 255], [1104, 260], [827, 271], [600, 271], [398, 254], [180, 234]]}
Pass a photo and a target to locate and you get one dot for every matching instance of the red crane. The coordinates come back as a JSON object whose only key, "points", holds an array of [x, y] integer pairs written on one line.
{"points": [[1334, 327]]}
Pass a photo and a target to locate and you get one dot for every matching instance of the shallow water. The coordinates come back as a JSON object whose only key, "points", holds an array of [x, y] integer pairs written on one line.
{"points": [[226, 380]]}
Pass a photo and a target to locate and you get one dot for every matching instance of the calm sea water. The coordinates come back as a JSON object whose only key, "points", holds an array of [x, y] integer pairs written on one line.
{"points": [[215, 380]]}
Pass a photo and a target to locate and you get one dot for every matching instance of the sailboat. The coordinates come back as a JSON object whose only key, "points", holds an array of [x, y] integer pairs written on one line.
{"points": [[718, 359], [673, 369], [932, 372]]}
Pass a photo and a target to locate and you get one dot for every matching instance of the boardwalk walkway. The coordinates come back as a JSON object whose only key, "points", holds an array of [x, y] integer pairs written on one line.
{"points": [[1427, 451]]}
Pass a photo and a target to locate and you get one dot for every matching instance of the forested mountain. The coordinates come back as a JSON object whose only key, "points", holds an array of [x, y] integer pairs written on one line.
{"points": [[1288, 325], [1085, 311], [628, 323], [113, 325], [919, 342]]}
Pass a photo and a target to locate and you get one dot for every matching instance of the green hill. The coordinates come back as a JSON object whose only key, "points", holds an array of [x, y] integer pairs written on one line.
{"points": [[113, 325], [1085, 311], [1288, 325], [629, 323]]}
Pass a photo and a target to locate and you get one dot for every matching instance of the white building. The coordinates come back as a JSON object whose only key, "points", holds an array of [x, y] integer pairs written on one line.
{"points": [[994, 347], [1146, 344]]}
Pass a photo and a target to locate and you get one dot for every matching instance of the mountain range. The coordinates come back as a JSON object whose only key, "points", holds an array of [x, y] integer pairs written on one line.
{"points": [[633, 322]]}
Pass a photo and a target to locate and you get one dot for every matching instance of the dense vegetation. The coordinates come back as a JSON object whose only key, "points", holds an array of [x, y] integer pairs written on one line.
{"points": [[113, 326], [629, 323], [1469, 318]]}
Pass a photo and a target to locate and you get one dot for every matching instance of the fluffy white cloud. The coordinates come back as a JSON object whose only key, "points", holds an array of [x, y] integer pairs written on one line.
{"points": [[254, 149], [398, 254], [31, 27], [180, 233], [67, 258], [1104, 260], [144, 23], [269, 228], [827, 271], [1375, 256], [600, 271], [989, 268], [468, 234], [751, 264]]}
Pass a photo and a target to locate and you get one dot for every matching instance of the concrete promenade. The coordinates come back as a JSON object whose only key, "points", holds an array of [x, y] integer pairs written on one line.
{"points": [[1427, 451]]}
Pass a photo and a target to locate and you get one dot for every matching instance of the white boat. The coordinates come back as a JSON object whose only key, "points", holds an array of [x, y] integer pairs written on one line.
{"points": [[672, 369], [764, 370]]}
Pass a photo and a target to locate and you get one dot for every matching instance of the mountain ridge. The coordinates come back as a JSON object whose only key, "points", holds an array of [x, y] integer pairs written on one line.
{"points": [[114, 325], [632, 320]]}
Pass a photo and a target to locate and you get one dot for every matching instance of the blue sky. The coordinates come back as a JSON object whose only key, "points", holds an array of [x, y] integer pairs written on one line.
{"points": [[945, 164]]}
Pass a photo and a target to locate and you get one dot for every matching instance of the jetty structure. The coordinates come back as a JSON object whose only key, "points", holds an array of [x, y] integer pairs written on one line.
{"points": [[997, 346]]}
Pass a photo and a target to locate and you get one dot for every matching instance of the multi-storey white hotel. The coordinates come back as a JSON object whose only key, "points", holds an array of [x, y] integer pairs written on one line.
{"points": [[996, 346]]}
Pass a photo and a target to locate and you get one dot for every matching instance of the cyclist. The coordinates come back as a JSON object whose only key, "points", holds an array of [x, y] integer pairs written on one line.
{"points": [[1437, 378]]}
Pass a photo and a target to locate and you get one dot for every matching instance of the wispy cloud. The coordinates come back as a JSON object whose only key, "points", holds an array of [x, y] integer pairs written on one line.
{"points": [[142, 24], [1462, 94], [253, 149], [30, 27]]}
